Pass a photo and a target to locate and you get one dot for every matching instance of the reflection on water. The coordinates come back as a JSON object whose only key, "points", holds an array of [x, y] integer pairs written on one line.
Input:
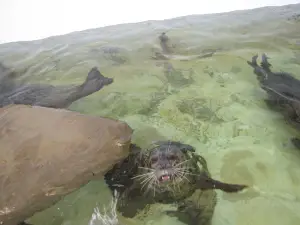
{"points": [[213, 103]]}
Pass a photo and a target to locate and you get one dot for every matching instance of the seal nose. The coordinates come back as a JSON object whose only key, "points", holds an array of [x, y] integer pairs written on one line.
{"points": [[165, 164]]}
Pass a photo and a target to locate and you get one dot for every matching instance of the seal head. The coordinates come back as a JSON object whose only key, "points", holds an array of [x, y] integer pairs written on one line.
{"points": [[167, 162]]}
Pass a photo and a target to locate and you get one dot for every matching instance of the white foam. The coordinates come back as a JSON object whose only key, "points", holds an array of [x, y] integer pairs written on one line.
{"points": [[107, 217]]}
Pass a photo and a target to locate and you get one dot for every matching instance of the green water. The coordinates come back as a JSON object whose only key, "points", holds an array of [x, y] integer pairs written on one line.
{"points": [[214, 104]]}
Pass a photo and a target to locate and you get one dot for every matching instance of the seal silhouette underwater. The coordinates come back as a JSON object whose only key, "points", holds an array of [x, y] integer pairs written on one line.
{"points": [[283, 92], [170, 172], [46, 95]]}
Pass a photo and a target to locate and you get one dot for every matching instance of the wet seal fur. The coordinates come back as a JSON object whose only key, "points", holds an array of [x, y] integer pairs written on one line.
{"points": [[46, 95], [283, 91], [169, 173]]}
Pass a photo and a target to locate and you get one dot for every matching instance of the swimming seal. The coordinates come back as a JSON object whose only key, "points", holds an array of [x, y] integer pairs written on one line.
{"points": [[164, 43], [46, 95], [283, 91], [170, 172]]}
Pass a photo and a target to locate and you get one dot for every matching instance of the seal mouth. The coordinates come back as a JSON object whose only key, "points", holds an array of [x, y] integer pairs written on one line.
{"points": [[165, 177]]}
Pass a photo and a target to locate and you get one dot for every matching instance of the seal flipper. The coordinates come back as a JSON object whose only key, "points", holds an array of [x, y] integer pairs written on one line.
{"points": [[253, 63], [264, 63], [95, 75], [206, 183], [197, 209], [260, 71]]}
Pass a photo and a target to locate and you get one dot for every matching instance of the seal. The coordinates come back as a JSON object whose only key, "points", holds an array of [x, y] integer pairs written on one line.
{"points": [[165, 43], [282, 90], [46, 95], [169, 173]]}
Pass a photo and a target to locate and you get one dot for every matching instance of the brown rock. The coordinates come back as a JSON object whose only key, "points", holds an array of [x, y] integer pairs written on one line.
{"points": [[47, 153]]}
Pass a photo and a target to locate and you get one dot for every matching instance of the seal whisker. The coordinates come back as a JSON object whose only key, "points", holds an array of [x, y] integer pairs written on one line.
{"points": [[193, 174], [147, 179], [169, 145], [178, 180], [183, 170], [147, 182], [183, 176], [154, 187], [142, 175], [186, 172], [178, 164], [150, 185]]}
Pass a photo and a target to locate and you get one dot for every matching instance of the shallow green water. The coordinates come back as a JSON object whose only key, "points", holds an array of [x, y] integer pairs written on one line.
{"points": [[214, 104]]}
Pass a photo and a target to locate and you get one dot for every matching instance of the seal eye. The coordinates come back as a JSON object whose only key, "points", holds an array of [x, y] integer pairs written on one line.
{"points": [[154, 159], [172, 157]]}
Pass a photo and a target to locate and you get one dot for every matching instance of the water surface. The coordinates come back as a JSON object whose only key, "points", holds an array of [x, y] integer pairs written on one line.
{"points": [[212, 103]]}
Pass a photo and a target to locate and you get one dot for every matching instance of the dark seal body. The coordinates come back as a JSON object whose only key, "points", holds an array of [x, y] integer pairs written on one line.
{"points": [[168, 173], [46, 95], [283, 91]]}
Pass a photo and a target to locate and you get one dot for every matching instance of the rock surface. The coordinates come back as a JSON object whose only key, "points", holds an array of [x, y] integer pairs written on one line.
{"points": [[47, 153]]}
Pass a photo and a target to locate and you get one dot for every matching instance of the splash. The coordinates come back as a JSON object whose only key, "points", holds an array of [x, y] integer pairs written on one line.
{"points": [[107, 217]]}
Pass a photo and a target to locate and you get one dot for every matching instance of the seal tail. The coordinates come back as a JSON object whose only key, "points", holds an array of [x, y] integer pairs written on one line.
{"points": [[228, 187], [94, 74], [208, 183]]}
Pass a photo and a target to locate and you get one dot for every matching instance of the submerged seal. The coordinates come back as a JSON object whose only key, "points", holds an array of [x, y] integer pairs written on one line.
{"points": [[164, 42], [46, 95], [283, 91], [170, 172]]}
